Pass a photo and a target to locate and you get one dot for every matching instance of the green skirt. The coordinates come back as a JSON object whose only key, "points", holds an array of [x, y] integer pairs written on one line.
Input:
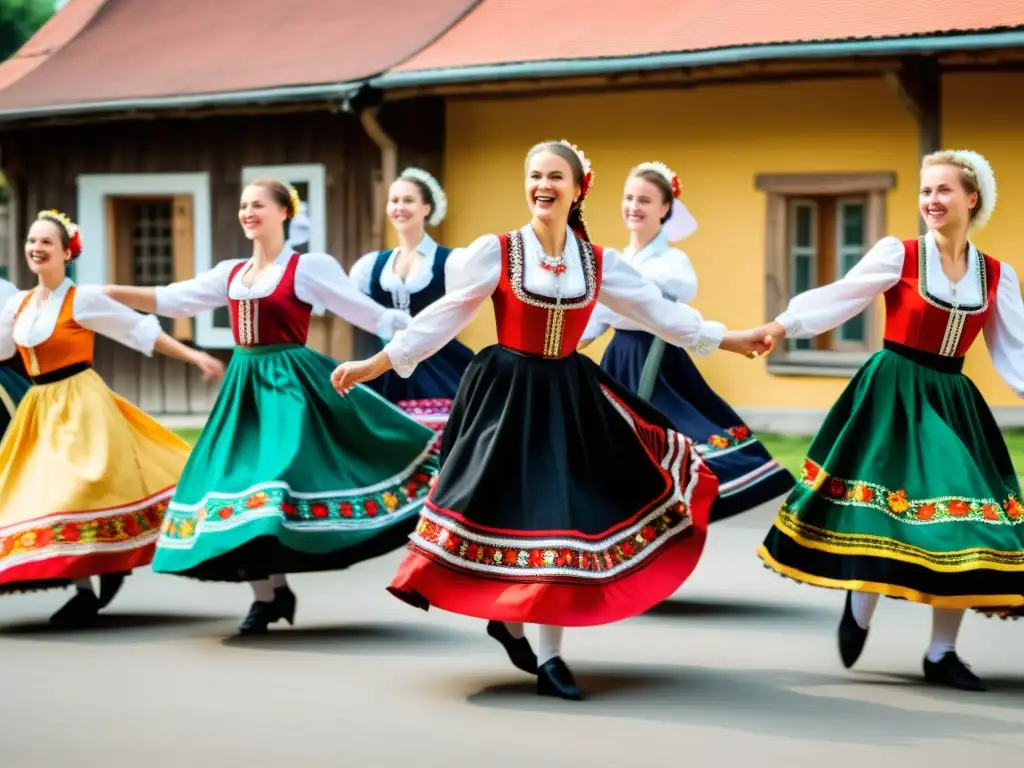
{"points": [[908, 491], [288, 476]]}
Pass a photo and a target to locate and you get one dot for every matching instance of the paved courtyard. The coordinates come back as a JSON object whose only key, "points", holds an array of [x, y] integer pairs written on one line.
{"points": [[739, 665]]}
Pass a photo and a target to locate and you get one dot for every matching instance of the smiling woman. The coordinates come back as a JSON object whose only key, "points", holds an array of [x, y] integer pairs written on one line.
{"points": [[286, 477], [530, 520], [92, 505], [909, 490], [410, 278]]}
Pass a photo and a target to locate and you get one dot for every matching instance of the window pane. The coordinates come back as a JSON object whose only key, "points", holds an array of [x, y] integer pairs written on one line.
{"points": [[853, 224], [850, 259], [802, 274], [804, 226], [853, 329]]}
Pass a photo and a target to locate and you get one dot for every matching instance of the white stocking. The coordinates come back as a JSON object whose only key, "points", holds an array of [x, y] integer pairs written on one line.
{"points": [[550, 643], [863, 606], [278, 580], [84, 584], [945, 628]]}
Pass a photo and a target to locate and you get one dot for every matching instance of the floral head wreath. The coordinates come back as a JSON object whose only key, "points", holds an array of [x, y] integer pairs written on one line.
{"points": [[680, 223], [588, 173], [74, 236], [440, 208], [986, 184], [294, 202]]}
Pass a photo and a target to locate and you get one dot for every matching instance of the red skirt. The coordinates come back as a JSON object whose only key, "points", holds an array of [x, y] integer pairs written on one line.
{"points": [[563, 499]]}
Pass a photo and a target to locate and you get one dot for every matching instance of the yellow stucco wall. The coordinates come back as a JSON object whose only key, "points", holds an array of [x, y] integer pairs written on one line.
{"points": [[717, 139]]}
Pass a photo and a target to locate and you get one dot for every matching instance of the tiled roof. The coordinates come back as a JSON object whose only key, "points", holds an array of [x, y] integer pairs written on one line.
{"points": [[113, 51], [500, 32]]}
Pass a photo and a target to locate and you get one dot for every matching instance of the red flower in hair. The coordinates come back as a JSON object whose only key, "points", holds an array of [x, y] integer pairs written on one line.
{"points": [[676, 189], [75, 245], [585, 184]]}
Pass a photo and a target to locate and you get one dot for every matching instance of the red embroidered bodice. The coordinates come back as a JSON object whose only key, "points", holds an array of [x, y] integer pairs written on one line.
{"points": [[280, 318], [538, 325], [916, 319]]}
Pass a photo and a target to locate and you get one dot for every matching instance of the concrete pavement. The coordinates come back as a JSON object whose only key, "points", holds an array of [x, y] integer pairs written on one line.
{"points": [[740, 665]]}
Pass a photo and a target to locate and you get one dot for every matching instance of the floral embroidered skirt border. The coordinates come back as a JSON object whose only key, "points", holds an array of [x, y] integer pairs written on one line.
{"points": [[747, 474], [908, 491], [85, 478], [562, 499], [288, 476]]}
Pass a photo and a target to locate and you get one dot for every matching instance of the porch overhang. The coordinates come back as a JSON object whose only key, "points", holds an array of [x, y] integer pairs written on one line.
{"points": [[340, 93]]}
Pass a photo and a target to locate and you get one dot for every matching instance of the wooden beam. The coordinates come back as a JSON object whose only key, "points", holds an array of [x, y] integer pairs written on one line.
{"points": [[746, 73], [810, 184], [919, 83]]}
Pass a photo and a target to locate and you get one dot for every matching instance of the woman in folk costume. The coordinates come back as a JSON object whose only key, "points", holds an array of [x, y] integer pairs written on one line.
{"points": [[666, 376], [13, 381], [410, 278], [286, 477], [909, 490], [563, 499], [84, 476]]}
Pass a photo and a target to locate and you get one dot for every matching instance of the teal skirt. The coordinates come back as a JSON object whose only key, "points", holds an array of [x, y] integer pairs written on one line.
{"points": [[288, 476], [908, 491]]}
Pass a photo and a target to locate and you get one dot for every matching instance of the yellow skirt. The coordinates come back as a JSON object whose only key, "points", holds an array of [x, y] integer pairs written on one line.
{"points": [[85, 478]]}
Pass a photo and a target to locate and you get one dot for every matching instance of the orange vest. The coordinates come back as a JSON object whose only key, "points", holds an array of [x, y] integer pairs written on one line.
{"points": [[69, 343]]}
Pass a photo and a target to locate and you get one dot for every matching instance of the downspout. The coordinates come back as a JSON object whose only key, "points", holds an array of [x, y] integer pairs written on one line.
{"points": [[388, 171]]}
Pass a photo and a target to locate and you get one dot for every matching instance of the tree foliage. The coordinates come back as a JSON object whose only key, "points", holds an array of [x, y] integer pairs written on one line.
{"points": [[19, 20]]}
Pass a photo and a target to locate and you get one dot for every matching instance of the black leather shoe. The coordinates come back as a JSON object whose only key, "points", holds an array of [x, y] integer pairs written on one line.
{"points": [[110, 585], [554, 678], [79, 611], [284, 602], [518, 649], [261, 615], [952, 672], [851, 636]]}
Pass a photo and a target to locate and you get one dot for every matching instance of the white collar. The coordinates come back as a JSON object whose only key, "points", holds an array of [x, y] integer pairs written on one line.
{"points": [[417, 280], [658, 245], [968, 288], [36, 324], [266, 283], [571, 251]]}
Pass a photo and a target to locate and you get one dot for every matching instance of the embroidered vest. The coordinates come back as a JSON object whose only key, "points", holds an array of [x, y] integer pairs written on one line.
{"points": [[69, 344], [280, 318], [535, 324], [419, 300], [916, 319]]}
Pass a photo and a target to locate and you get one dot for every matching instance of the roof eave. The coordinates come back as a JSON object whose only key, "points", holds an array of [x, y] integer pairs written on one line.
{"points": [[343, 92], [734, 55]]}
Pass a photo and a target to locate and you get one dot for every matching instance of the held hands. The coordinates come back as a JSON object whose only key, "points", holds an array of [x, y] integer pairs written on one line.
{"points": [[754, 342], [347, 375]]}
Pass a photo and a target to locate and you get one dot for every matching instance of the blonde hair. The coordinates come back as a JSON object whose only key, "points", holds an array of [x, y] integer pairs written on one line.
{"points": [[975, 175]]}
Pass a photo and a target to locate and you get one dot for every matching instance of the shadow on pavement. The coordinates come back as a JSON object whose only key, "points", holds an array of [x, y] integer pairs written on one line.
{"points": [[754, 701], [110, 628], [742, 611], [380, 638]]}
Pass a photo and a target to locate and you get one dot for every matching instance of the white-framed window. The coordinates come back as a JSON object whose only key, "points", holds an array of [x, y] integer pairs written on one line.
{"points": [[817, 227], [149, 228], [850, 246], [802, 252]]}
